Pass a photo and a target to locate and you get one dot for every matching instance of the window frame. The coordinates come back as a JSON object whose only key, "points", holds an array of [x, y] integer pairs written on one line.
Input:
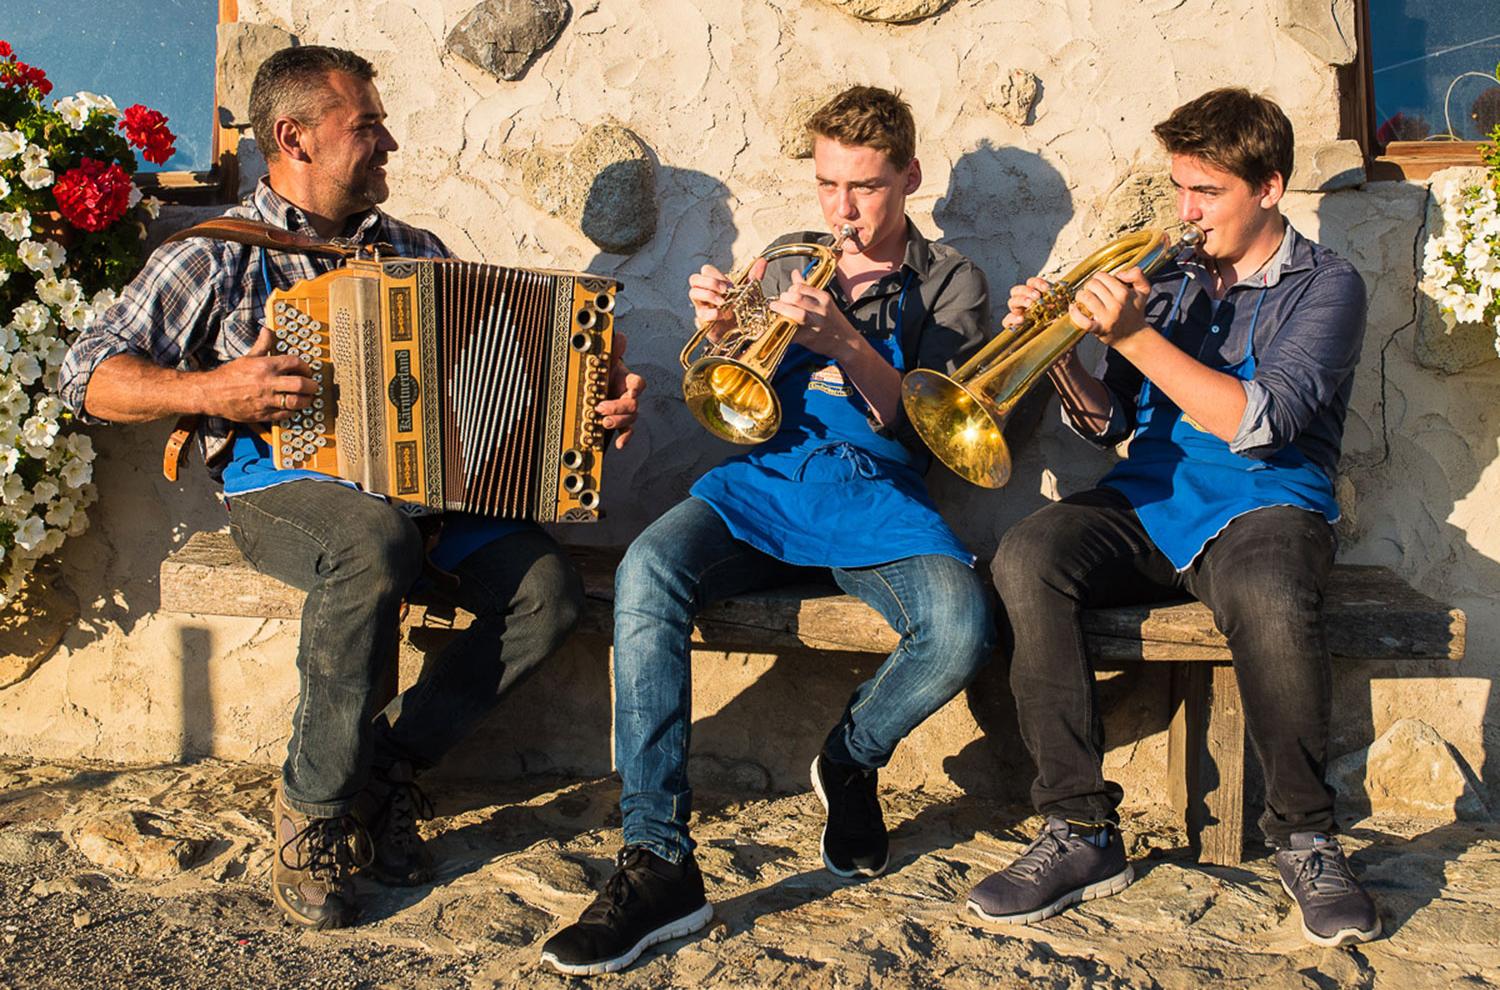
{"points": [[220, 181], [1402, 160]]}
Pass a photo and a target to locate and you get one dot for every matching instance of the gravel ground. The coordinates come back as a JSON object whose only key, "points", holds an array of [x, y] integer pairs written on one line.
{"points": [[156, 877]]}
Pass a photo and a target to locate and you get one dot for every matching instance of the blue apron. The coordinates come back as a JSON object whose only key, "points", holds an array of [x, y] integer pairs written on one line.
{"points": [[1186, 485], [827, 490]]}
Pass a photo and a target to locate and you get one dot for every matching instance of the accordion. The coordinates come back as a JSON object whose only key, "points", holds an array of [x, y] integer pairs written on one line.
{"points": [[450, 384]]}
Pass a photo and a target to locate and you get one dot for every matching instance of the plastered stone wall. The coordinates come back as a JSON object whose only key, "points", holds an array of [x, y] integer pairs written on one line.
{"points": [[708, 88]]}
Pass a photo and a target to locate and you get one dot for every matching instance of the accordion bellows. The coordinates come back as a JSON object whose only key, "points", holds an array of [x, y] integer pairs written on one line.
{"points": [[455, 385]]}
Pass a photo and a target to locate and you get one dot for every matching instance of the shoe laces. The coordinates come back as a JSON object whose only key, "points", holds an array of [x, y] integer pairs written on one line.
{"points": [[861, 804], [618, 890], [1324, 872], [405, 804], [325, 847], [1046, 849]]}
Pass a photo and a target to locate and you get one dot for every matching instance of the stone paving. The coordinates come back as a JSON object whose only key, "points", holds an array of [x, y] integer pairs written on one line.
{"points": [[146, 877]]}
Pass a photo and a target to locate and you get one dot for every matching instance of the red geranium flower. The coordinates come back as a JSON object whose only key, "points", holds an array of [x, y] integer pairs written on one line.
{"points": [[147, 129], [5, 50], [93, 195]]}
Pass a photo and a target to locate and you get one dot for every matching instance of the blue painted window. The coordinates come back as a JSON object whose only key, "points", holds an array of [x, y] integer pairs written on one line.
{"points": [[1433, 63], [156, 52]]}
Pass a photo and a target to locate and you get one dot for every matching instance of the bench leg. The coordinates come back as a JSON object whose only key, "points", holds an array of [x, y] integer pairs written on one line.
{"points": [[1206, 759]]}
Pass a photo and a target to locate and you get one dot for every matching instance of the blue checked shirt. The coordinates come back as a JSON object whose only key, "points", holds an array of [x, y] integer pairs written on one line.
{"points": [[199, 303]]}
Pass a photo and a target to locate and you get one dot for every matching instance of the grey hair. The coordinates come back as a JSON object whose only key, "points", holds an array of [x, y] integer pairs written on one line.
{"points": [[292, 83]]}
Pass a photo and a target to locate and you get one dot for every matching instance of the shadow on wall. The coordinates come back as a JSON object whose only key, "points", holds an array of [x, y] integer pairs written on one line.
{"points": [[1428, 454], [525, 727]]}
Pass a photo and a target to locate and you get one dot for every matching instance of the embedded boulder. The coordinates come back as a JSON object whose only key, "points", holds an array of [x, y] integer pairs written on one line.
{"points": [[890, 11], [504, 36], [796, 140], [1141, 199], [1327, 167], [1410, 771], [242, 47], [1014, 96], [34, 623], [605, 183], [1326, 29]]}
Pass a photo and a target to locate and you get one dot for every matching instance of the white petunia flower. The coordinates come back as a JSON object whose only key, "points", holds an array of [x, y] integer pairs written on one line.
{"points": [[9, 458], [152, 206], [79, 525], [82, 446], [34, 156], [60, 514], [26, 367], [76, 474], [35, 256], [36, 177], [96, 102], [44, 491], [12, 143], [30, 533], [16, 224], [51, 541], [4, 187], [12, 488], [58, 292], [74, 112], [77, 316], [55, 253], [31, 317], [49, 406]]}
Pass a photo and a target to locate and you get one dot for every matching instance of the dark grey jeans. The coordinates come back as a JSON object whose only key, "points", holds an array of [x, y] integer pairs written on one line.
{"points": [[1263, 577], [356, 557]]}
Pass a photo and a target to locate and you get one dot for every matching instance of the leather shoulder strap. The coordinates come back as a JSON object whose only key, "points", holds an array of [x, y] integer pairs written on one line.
{"points": [[262, 235], [171, 457]]}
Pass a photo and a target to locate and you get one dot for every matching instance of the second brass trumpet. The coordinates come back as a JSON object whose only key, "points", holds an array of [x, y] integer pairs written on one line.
{"points": [[728, 387]]}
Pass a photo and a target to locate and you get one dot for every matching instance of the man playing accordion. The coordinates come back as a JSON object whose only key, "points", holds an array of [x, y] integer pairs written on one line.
{"points": [[347, 795]]}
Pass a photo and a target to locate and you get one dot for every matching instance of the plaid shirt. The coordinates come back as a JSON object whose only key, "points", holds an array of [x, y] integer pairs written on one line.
{"points": [[199, 303]]}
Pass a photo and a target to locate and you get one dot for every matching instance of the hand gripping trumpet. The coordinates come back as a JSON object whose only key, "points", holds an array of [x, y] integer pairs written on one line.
{"points": [[961, 417], [728, 388]]}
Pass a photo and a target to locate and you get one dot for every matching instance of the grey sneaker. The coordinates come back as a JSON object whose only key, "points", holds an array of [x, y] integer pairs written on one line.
{"points": [[1059, 869], [1335, 908]]}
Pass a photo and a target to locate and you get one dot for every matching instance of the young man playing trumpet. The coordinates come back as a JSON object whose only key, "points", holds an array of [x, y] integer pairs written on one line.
{"points": [[838, 488], [1230, 374]]}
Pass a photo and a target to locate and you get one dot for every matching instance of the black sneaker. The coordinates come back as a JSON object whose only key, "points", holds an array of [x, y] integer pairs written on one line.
{"points": [[854, 842], [1061, 868], [389, 809], [1335, 908], [647, 900], [312, 871]]}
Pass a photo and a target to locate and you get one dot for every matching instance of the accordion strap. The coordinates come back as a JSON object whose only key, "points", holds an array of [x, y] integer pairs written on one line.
{"points": [[171, 457], [264, 235]]}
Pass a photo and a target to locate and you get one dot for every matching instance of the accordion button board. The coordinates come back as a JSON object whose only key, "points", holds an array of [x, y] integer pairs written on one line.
{"points": [[454, 385]]}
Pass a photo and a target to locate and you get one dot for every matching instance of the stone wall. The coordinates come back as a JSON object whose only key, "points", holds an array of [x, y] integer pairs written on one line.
{"points": [[1034, 123]]}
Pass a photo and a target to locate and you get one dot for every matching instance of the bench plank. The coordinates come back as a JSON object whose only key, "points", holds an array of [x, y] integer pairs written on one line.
{"points": [[1371, 613]]}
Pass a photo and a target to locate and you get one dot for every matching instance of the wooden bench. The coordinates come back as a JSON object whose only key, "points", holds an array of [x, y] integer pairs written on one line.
{"points": [[1371, 614]]}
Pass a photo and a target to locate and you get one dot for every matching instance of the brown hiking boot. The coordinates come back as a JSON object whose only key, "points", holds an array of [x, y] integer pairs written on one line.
{"points": [[389, 809], [310, 873]]}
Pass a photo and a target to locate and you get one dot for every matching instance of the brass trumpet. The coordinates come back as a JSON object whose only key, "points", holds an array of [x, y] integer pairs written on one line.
{"points": [[961, 417], [728, 389]]}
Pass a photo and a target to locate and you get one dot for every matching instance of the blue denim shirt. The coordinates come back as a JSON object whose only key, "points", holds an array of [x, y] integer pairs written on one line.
{"points": [[1307, 341]]}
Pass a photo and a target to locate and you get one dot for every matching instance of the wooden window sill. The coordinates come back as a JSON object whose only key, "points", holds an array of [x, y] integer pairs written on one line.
{"points": [[1419, 159]]}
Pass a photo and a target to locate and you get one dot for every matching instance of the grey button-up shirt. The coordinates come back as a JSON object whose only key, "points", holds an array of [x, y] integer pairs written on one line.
{"points": [[1308, 336], [199, 303], [945, 318]]}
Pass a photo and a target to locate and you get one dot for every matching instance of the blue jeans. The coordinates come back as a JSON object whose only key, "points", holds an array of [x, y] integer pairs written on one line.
{"points": [[1263, 577], [688, 559], [356, 557]]}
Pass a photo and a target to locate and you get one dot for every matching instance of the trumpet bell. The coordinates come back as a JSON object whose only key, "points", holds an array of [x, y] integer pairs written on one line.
{"points": [[958, 426], [730, 400]]}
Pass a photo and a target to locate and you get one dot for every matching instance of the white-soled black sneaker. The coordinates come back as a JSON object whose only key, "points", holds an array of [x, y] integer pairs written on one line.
{"points": [[854, 842], [647, 901], [1335, 909], [1059, 869]]}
